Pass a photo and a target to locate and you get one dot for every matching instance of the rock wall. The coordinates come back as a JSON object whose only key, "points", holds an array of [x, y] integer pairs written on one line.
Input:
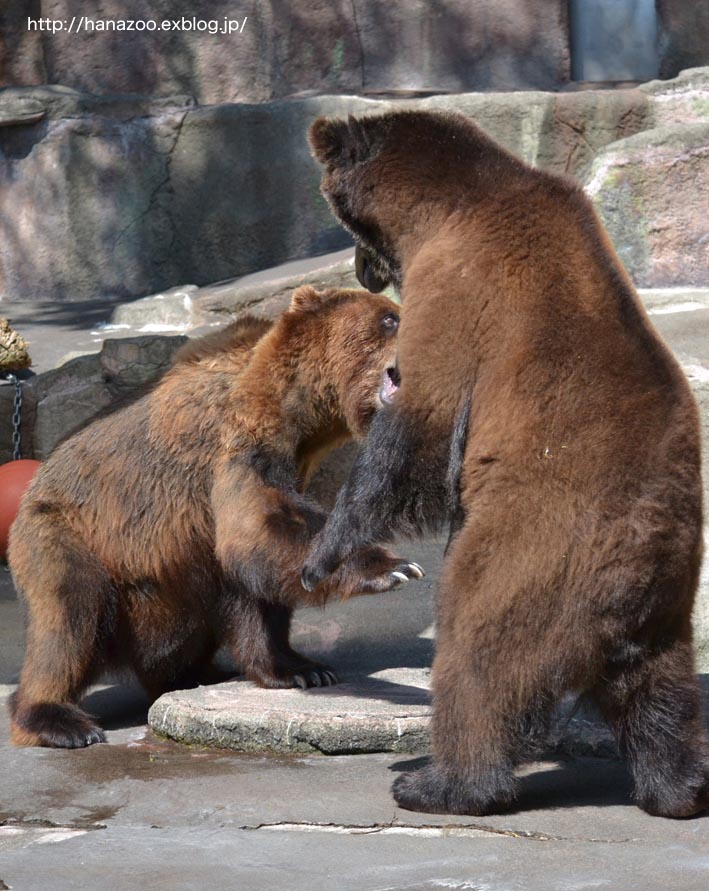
{"points": [[325, 46], [684, 35], [651, 191], [124, 196], [59, 402], [287, 48]]}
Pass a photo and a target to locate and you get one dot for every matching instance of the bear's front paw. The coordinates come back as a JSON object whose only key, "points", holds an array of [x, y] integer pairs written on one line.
{"points": [[316, 569], [293, 670], [381, 571], [391, 579]]}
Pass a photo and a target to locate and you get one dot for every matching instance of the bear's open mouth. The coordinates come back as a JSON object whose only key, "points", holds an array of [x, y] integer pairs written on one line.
{"points": [[390, 384]]}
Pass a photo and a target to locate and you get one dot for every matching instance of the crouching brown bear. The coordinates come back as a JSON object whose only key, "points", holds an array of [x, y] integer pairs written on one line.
{"points": [[541, 413], [177, 525]]}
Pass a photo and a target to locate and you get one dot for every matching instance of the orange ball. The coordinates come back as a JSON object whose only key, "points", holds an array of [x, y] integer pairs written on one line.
{"points": [[15, 477]]}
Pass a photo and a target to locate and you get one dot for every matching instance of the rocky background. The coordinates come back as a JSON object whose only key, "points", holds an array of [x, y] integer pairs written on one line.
{"points": [[132, 162], [290, 47], [122, 196]]}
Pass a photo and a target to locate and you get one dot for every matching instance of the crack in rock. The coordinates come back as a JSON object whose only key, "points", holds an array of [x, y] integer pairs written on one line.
{"points": [[360, 43], [155, 201], [429, 830], [39, 823]]}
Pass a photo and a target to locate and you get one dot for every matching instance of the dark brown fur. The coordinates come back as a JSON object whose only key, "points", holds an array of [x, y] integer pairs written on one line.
{"points": [[536, 393], [177, 524]]}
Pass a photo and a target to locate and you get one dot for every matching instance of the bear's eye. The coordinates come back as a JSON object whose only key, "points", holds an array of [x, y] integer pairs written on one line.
{"points": [[389, 323]]}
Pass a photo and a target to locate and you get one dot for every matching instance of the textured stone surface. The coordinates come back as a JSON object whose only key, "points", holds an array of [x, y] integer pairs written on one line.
{"points": [[345, 46], [270, 297], [457, 45], [182, 817], [96, 204], [351, 718], [169, 311], [684, 35], [338, 47], [683, 100], [387, 711], [70, 396], [84, 199], [651, 192], [559, 132], [65, 400], [122, 196], [21, 51]]}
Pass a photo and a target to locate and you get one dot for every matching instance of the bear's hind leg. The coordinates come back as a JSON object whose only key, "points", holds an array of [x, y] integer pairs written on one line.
{"points": [[498, 674], [65, 591], [654, 706], [480, 733]]}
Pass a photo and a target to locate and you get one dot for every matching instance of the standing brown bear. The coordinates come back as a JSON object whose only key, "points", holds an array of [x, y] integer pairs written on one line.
{"points": [[177, 524], [542, 413]]}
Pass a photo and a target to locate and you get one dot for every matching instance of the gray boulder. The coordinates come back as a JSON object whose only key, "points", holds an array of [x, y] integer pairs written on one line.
{"points": [[67, 398], [651, 192]]}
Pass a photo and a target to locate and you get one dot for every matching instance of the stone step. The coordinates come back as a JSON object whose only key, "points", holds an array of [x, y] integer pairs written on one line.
{"points": [[386, 711]]}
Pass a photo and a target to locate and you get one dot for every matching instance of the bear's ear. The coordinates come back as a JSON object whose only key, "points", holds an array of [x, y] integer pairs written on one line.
{"points": [[334, 140], [327, 136], [305, 298]]}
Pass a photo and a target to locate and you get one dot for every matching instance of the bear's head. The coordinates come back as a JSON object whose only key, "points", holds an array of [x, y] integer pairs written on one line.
{"points": [[345, 341], [393, 180]]}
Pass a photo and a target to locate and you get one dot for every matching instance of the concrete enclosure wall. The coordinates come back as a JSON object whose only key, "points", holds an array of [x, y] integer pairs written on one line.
{"points": [[125, 196], [288, 47], [285, 48], [157, 158]]}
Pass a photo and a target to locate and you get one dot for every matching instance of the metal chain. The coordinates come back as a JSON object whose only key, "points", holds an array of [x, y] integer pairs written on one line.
{"points": [[16, 417]]}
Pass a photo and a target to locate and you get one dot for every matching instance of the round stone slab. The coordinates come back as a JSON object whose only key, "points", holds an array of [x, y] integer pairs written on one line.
{"points": [[385, 712]]}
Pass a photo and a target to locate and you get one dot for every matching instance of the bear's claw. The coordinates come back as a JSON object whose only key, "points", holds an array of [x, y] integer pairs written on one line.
{"points": [[415, 570], [320, 677], [404, 572]]}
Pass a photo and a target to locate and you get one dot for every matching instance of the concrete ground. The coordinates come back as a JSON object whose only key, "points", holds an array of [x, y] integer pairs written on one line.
{"points": [[145, 812]]}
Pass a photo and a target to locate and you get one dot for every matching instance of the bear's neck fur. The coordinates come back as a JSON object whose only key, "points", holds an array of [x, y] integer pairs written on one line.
{"points": [[280, 403]]}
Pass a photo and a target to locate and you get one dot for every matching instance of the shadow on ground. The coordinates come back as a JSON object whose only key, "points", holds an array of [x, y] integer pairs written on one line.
{"points": [[562, 786], [77, 316]]}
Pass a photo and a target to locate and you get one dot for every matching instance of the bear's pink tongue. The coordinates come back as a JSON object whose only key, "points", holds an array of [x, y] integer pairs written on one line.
{"points": [[388, 388]]}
